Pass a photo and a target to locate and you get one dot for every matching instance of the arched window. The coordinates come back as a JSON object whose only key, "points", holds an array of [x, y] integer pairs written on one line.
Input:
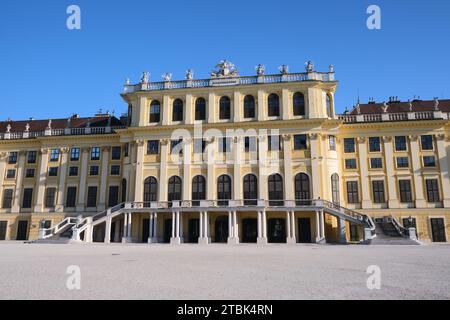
{"points": [[224, 108], [223, 189], [250, 190], [274, 105], [329, 107], [155, 111], [302, 190], [174, 189], [335, 188], [198, 190], [276, 195], [200, 109], [177, 111], [299, 104], [249, 107], [124, 190], [150, 190]]}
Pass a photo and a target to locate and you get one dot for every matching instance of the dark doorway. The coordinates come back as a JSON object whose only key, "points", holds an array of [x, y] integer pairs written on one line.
{"points": [[22, 230], [304, 230], [221, 229], [438, 229], [113, 231], [99, 233], [3, 225], [276, 232], [167, 230], [354, 234], [145, 230], [249, 230], [194, 230]]}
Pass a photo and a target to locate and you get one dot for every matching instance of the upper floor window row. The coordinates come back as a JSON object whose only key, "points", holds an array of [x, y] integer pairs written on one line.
{"points": [[249, 108]]}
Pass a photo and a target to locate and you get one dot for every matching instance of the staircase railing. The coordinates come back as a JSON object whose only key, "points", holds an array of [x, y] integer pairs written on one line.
{"points": [[401, 230], [50, 232]]}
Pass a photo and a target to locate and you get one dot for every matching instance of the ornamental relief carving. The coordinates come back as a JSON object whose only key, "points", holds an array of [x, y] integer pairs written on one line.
{"points": [[361, 139]]}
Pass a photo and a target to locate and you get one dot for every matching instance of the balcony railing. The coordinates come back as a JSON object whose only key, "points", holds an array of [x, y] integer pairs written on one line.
{"points": [[232, 81], [59, 132], [386, 117]]}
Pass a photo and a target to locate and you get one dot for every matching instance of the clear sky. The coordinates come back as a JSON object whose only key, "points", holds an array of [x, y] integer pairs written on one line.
{"points": [[47, 70]]}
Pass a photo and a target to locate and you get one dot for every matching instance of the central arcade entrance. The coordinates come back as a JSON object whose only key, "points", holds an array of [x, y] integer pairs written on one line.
{"points": [[249, 230], [276, 232], [221, 229]]}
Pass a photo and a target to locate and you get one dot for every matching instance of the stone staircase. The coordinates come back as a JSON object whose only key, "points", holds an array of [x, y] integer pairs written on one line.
{"points": [[388, 233]]}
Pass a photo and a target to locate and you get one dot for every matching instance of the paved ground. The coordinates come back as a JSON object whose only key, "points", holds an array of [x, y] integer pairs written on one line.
{"points": [[223, 272]]}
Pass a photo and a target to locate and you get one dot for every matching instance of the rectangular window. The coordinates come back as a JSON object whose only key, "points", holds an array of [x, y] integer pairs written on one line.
{"points": [[176, 146], [95, 153], [74, 154], [71, 197], [116, 153], [12, 159], [376, 163], [199, 145], [349, 145], [274, 143], [250, 144], [350, 163], [152, 147], [93, 170], [50, 197], [429, 161], [29, 173], [115, 170], [92, 197], [73, 171], [374, 144], [405, 191], [7, 198], [224, 145], [427, 142], [32, 156], [113, 198], [27, 198], [300, 142], [378, 191], [332, 143], [52, 171], [54, 155], [352, 192], [400, 143], [402, 162], [11, 173], [432, 190]]}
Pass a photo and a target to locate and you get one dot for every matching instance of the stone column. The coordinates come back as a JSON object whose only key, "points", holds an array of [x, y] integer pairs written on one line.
{"points": [[175, 240], [211, 175], [237, 166], [3, 156], [262, 113], [108, 231], [211, 110], [150, 228], [317, 227], [83, 179], [416, 166], [42, 177], [237, 107], [288, 227], [125, 227], [364, 171], [181, 228], [293, 228], [235, 226], [129, 226], [262, 168], [187, 163], [315, 166], [444, 169], [230, 228], [104, 178], [322, 224], [162, 188], [155, 228], [263, 239], [165, 110], [288, 176], [286, 109], [341, 231], [189, 117], [390, 173], [259, 224], [204, 230], [62, 180], [138, 182]]}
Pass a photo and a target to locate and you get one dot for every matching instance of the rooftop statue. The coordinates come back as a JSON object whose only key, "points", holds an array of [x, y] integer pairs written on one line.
{"points": [[284, 69], [309, 66], [189, 74], [260, 69], [145, 77], [167, 77], [225, 69]]}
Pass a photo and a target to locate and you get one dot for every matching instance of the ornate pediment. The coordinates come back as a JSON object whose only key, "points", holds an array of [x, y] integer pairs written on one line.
{"points": [[225, 69]]}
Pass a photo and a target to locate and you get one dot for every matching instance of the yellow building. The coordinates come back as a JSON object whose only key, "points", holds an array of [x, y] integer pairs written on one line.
{"points": [[231, 159]]}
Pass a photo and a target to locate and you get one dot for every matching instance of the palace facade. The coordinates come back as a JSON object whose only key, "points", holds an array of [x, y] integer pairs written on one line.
{"points": [[230, 159]]}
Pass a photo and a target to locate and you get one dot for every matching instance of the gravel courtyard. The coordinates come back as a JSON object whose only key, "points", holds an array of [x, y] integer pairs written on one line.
{"points": [[31, 271]]}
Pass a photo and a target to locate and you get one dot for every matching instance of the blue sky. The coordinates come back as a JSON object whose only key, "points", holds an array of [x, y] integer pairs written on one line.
{"points": [[47, 70]]}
